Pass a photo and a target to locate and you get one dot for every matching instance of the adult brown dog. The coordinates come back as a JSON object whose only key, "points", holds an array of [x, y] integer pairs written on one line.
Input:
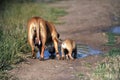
{"points": [[68, 47], [42, 33]]}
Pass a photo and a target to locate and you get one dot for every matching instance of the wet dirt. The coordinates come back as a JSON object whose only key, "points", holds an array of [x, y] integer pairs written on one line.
{"points": [[84, 23]]}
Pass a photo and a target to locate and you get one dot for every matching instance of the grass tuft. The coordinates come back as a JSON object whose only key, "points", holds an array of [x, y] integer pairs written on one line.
{"points": [[111, 39], [13, 31], [108, 70]]}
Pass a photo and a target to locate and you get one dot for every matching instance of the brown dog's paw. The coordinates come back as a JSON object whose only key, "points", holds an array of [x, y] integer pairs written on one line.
{"points": [[41, 59], [58, 56], [33, 57]]}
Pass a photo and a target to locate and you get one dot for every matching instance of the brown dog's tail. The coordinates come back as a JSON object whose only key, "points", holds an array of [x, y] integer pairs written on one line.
{"points": [[38, 32]]}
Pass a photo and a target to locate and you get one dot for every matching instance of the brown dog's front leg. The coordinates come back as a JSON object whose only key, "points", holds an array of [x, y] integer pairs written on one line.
{"points": [[33, 53], [56, 48], [32, 47]]}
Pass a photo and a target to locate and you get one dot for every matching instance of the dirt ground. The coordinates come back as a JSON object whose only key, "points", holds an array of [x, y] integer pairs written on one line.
{"points": [[85, 22]]}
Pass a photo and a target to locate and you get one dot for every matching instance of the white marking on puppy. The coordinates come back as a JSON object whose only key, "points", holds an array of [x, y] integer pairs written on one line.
{"points": [[63, 45]]}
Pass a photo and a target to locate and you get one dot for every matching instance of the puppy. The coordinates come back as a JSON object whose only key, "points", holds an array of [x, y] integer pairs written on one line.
{"points": [[68, 47]]}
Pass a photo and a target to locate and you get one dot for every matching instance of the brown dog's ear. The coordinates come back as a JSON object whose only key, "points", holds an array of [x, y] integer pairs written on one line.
{"points": [[59, 40], [58, 35]]}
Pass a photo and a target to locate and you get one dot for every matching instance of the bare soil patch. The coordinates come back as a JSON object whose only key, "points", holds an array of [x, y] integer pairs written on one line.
{"points": [[85, 22]]}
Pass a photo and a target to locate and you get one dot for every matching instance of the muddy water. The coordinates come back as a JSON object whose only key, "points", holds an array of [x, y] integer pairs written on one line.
{"points": [[82, 51]]}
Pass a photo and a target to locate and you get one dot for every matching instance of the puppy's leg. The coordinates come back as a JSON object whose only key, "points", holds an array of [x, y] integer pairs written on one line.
{"points": [[67, 56], [70, 55], [62, 50]]}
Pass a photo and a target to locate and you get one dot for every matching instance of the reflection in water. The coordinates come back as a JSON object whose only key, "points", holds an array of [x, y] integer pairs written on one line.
{"points": [[46, 54], [82, 51], [115, 30]]}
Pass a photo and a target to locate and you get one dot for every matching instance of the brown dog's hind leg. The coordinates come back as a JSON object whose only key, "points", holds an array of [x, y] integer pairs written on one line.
{"points": [[42, 53], [33, 53], [43, 37], [33, 48]]}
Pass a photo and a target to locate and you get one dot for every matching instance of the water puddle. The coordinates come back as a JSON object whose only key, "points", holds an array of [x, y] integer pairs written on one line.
{"points": [[85, 50], [115, 30], [82, 51]]}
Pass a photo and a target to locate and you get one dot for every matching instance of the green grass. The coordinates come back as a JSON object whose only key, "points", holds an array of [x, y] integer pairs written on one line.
{"points": [[13, 33], [114, 52], [111, 39], [6, 76], [81, 76], [109, 69]]}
